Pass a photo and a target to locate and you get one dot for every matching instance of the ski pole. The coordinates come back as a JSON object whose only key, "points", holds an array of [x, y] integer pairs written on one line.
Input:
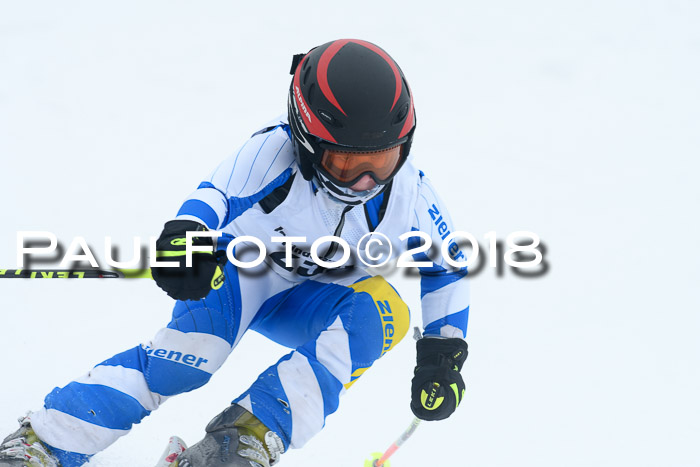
{"points": [[397, 444], [379, 461], [75, 274]]}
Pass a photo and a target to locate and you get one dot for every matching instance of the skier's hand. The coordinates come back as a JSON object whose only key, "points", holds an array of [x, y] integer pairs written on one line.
{"points": [[181, 282], [437, 387]]}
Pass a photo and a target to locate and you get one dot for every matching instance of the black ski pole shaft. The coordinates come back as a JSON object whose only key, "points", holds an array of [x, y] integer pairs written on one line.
{"points": [[74, 274]]}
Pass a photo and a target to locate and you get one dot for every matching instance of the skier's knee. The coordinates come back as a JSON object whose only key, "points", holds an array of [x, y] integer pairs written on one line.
{"points": [[169, 378], [379, 318]]}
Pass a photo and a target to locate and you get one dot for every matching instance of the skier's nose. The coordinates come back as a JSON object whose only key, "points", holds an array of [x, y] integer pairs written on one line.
{"points": [[365, 183]]}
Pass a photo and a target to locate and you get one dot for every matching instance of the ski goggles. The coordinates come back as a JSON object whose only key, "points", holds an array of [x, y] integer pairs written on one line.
{"points": [[347, 167]]}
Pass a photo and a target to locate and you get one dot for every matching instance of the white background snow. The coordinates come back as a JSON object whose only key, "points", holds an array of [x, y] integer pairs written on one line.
{"points": [[576, 120]]}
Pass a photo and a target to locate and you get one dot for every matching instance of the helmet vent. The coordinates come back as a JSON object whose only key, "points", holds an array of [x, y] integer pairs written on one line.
{"points": [[401, 116], [310, 94], [305, 78]]}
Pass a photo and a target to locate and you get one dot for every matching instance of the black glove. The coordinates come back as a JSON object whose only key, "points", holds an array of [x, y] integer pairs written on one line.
{"points": [[437, 387], [181, 282]]}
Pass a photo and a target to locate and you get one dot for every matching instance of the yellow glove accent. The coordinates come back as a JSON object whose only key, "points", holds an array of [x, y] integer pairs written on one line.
{"points": [[429, 401], [218, 280]]}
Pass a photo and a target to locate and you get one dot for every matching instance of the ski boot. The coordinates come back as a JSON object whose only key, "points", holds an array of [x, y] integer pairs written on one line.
{"points": [[24, 449], [235, 438]]}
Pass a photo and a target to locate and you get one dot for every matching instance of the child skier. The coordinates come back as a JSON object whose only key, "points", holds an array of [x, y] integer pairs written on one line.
{"points": [[336, 164]]}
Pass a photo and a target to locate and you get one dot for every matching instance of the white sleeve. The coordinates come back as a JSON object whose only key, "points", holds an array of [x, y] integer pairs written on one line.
{"points": [[444, 289]]}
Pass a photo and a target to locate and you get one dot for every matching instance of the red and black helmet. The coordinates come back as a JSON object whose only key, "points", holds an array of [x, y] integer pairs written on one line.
{"points": [[349, 97]]}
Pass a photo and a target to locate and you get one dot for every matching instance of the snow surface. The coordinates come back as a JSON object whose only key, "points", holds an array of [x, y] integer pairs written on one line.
{"points": [[577, 120]]}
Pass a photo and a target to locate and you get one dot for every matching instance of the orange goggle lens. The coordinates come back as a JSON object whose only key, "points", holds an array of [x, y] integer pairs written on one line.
{"points": [[347, 166]]}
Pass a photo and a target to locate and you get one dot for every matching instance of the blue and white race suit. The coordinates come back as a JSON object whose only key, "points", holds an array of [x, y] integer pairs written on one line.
{"points": [[337, 322]]}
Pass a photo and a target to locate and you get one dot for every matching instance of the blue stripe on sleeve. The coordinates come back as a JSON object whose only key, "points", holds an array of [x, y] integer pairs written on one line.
{"points": [[237, 206], [201, 210], [458, 320], [209, 185]]}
